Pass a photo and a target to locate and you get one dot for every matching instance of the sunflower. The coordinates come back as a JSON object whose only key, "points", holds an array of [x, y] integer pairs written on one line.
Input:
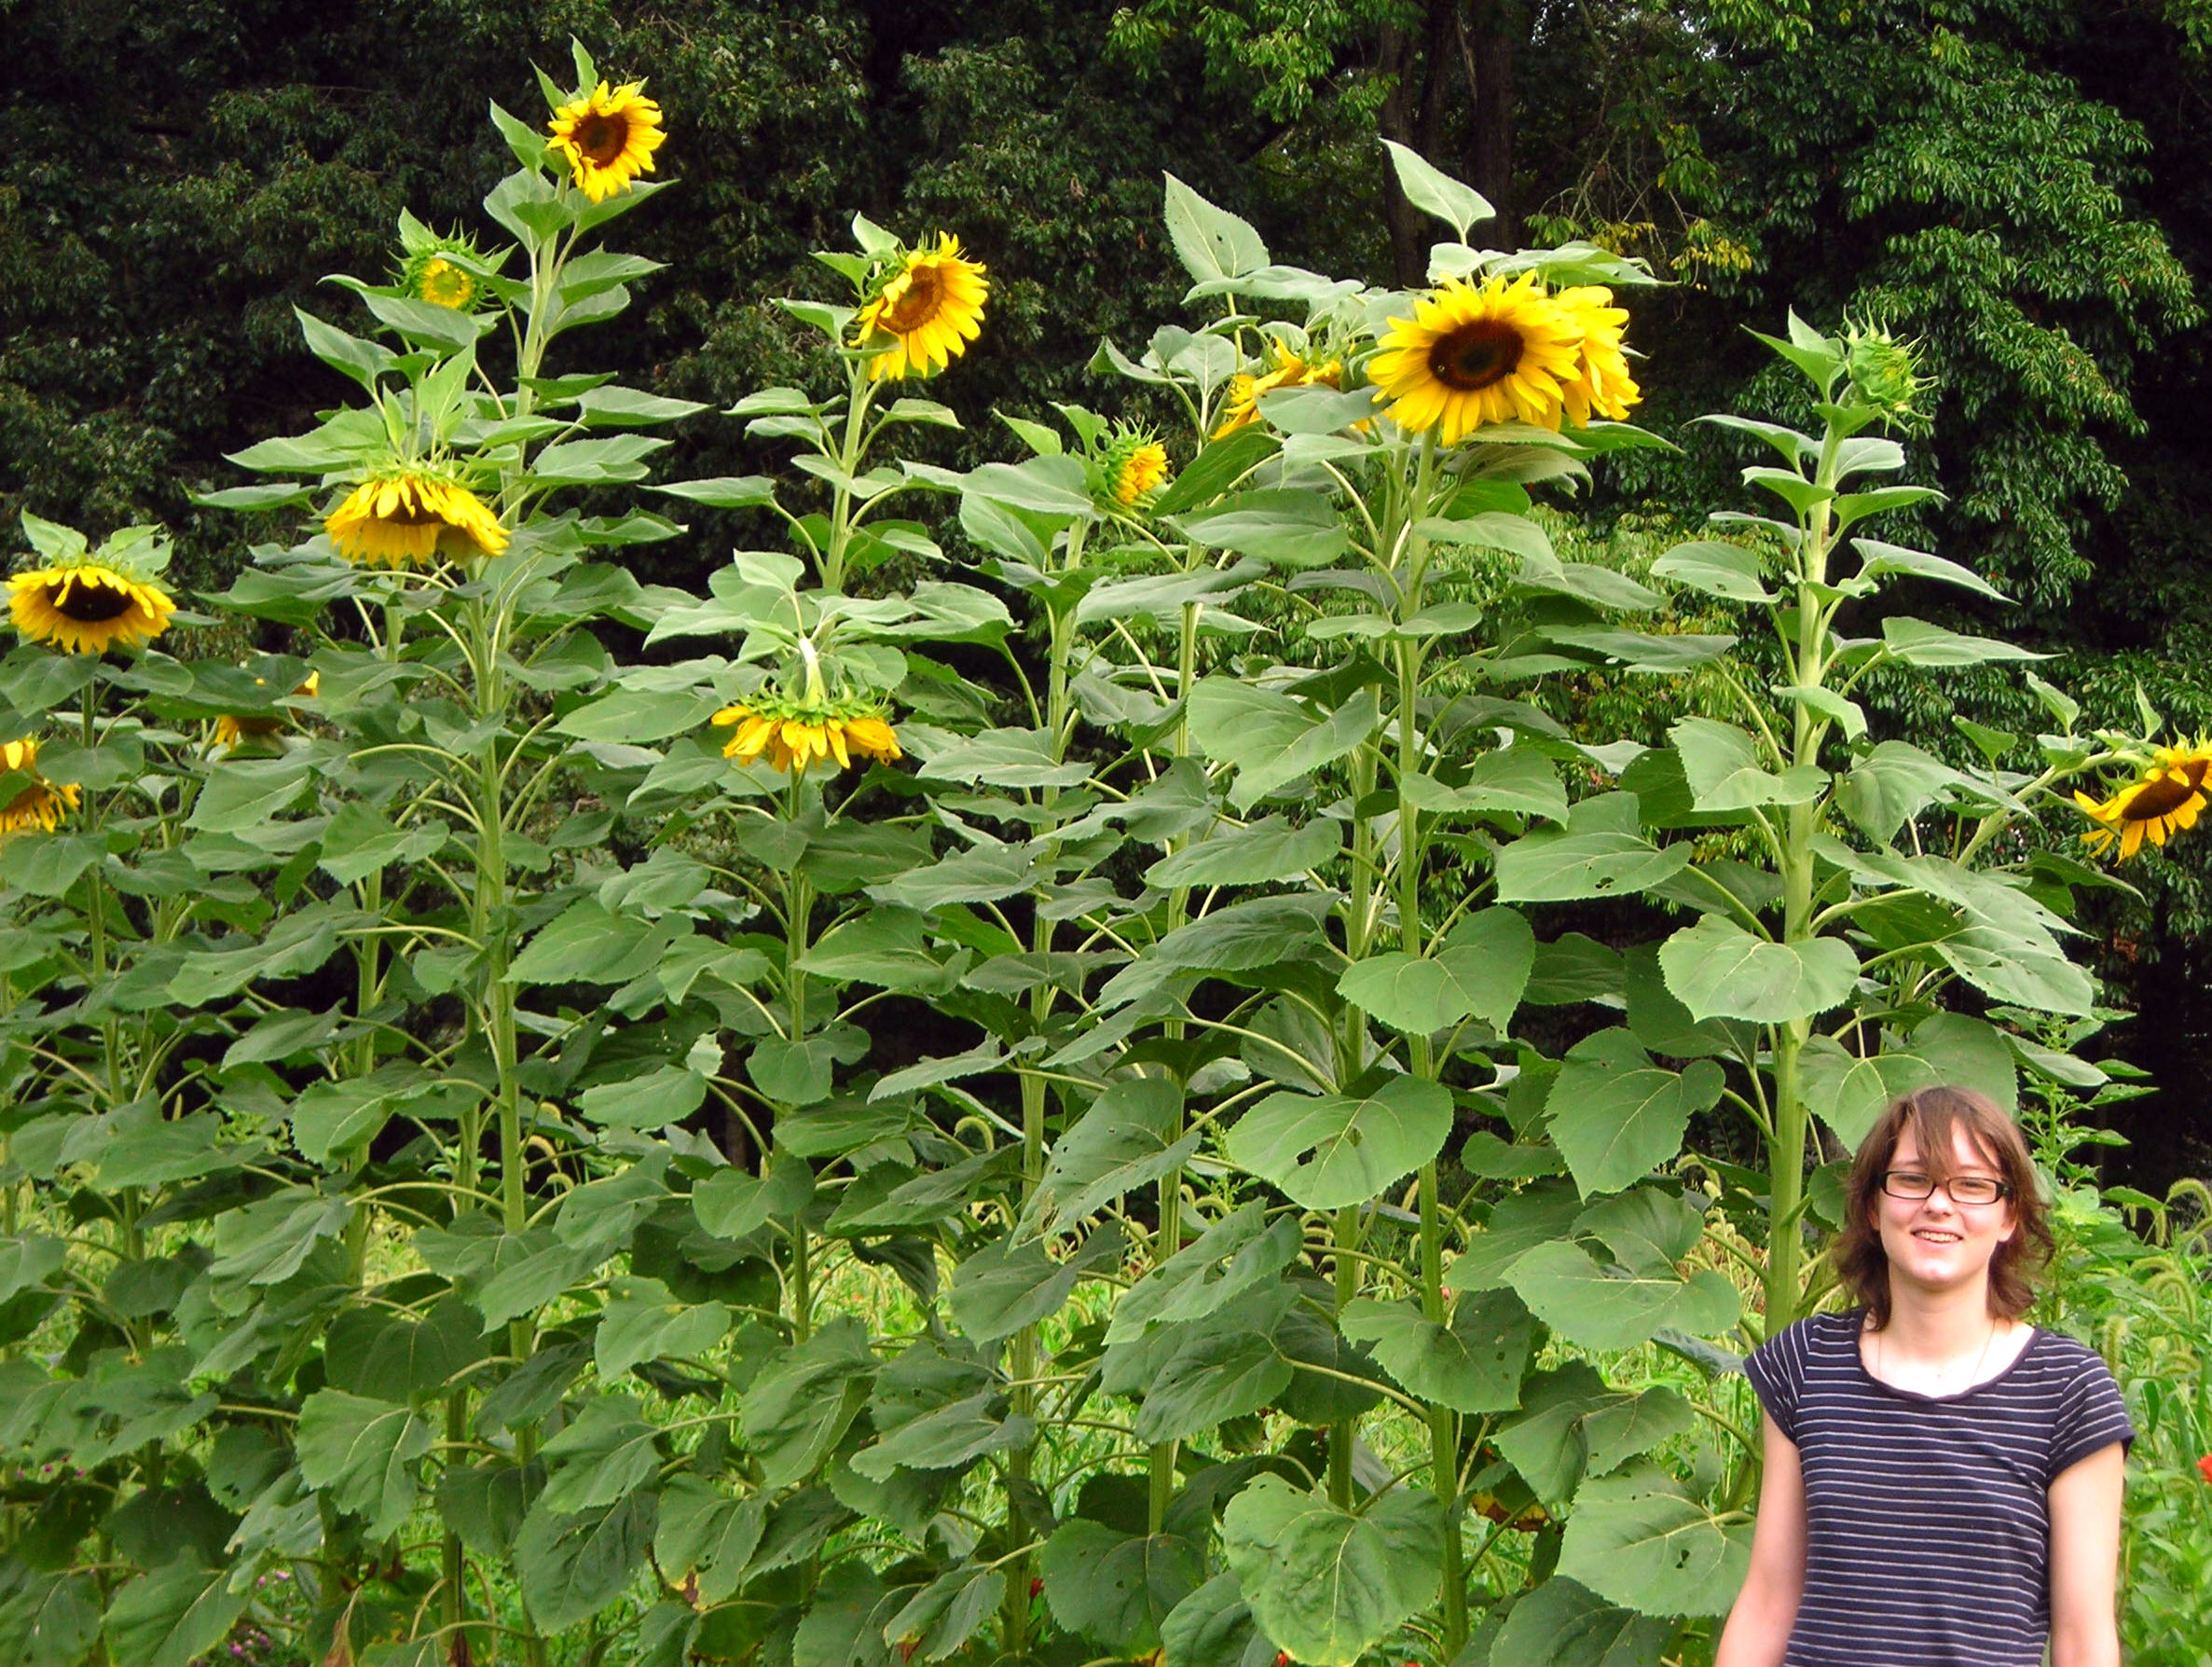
{"points": [[1291, 371], [926, 313], [41, 804], [2170, 797], [88, 607], [1477, 353], [789, 737], [608, 137], [1603, 385], [231, 729], [438, 280], [402, 515], [1139, 474]]}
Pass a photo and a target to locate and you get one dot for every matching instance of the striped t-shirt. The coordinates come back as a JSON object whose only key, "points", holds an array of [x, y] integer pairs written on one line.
{"points": [[1928, 1517]]}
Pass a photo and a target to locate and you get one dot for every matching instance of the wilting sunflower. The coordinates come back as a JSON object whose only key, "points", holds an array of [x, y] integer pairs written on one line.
{"points": [[1478, 353], [790, 736], [88, 607], [926, 313], [1603, 385], [41, 804], [2169, 798], [402, 515], [232, 728], [608, 137], [1291, 371]]}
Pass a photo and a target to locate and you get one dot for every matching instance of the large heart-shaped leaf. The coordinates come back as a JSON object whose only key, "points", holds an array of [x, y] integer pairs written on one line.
{"points": [[1330, 1150], [1616, 1114], [1719, 970], [1326, 1584]]}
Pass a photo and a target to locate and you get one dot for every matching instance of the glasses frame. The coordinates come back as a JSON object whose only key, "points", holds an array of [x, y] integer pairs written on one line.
{"points": [[2004, 1188]]}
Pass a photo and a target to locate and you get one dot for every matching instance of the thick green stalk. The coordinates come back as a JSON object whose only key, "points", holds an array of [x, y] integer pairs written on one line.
{"points": [[798, 901]]}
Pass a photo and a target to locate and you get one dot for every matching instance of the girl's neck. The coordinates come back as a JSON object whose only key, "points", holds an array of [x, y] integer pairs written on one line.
{"points": [[1938, 1325]]}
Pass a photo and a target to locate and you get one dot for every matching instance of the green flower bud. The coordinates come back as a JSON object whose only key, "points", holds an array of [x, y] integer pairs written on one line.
{"points": [[1885, 374]]}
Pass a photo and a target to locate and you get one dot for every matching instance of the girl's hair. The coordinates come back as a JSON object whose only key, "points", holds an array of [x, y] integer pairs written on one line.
{"points": [[1934, 1115]]}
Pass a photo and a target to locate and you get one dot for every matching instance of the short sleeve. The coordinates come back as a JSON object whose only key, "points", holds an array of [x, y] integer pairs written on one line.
{"points": [[2091, 1416], [1775, 1370]]}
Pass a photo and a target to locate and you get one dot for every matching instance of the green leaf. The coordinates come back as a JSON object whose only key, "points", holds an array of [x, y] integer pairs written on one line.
{"points": [[1601, 852], [667, 1093], [1212, 1627], [1721, 971], [1434, 192], [1472, 1365], [587, 942], [1258, 933], [1233, 1257], [1009, 1284], [1271, 740], [365, 1454], [1847, 1093], [1228, 1367], [1880, 560], [801, 1073], [172, 1616], [644, 1321], [484, 1503], [1616, 1115], [572, 1567], [938, 1620], [1117, 1589], [1918, 643], [797, 1409], [1584, 1304], [1480, 971], [51, 1621], [1571, 1426], [389, 1357], [1283, 527], [1638, 1540], [843, 1625], [1721, 763], [1971, 1053], [605, 1454], [241, 796], [1727, 571], [733, 1205], [1331, 1149], [1643, 651], [1327, 1585], [1210, 242], [1562, 1623], [1264, 852], [706, 1532]]}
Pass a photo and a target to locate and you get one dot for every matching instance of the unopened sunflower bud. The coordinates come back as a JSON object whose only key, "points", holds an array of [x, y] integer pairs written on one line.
{"points": [[1885, 374]]}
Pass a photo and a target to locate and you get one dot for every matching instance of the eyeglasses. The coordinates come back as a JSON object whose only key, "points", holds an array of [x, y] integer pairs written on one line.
{"points": [[1960, 1189]]}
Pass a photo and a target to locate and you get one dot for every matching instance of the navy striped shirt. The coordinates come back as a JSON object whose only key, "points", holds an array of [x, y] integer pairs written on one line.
{"points": [[1928, 1517]]}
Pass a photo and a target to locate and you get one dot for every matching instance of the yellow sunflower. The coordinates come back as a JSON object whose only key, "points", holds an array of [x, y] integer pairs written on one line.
{"points": [[1477, 353], [1603, 385], [231, 729], [608, 137], [88, 607], [41, 804], [926, 313], [1135, 467], [790, 739], [439, 282], [402, 516], [2169, 798], [1291, 371]]}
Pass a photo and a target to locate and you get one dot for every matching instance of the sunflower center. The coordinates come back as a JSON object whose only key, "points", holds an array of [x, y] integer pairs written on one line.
{"points": [[601, 139], [91, 601], [2163, 797], [1476, 355], [923, 296], [445, 285]]}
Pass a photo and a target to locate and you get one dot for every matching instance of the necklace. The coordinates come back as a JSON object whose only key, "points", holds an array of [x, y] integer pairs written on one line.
{"points": [[1941, 1376]]}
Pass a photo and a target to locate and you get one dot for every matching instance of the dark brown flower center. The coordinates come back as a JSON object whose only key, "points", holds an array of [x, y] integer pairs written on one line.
{"points": [[923, 296], [2165, 796], [602, 139], [91, 601], [1476, 355]]}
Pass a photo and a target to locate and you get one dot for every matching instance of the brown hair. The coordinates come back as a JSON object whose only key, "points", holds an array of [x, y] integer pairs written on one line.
{"points": [[1934, 1115]]}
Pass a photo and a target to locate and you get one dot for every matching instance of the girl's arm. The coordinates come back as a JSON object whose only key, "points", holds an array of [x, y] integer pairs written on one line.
{"points": [[1758, 1629], [2085, 1561]]}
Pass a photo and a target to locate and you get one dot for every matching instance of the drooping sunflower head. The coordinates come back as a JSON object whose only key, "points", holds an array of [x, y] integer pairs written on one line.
{"points": [[789, 734], [35, 801], [1289, 369], [607, 136], [1134, 467], [88, 607], [2171, 796], [1473, 354], [924, 309], [398, 516], [1603, 385], [234, 728]]}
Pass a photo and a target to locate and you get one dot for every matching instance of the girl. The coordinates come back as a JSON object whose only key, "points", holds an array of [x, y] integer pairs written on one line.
{"points": [[1943, 1481]]}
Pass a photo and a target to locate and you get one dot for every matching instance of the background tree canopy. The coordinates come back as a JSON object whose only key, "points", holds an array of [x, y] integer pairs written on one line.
{"points": [[2020, 184]]}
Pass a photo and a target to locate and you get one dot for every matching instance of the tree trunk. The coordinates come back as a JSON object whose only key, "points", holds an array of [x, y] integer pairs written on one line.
{"points": [[1485, 51]]}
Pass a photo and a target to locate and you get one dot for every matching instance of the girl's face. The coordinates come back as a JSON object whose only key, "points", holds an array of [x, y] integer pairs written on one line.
{"points": [[1935, 1243]]}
